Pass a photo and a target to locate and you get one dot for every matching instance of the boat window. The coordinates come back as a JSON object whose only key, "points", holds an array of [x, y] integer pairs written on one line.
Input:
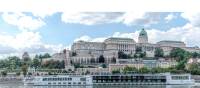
{"points": [[60, 79], [44, 79], [180, 77], [57, 79], [70, 79], [83, 79], [59, 83], [54, 79], [79, 82], [69, 83], [64, 82]]}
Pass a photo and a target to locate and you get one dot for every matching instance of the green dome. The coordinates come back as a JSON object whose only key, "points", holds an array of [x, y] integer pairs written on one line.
{"points": [[143, 33]]}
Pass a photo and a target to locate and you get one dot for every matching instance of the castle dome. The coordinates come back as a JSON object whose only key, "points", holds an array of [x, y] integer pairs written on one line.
{"points": [[143, 33], [143, 37]]}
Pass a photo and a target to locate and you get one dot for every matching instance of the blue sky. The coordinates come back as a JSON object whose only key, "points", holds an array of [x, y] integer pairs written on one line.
{"points": [[26, 31]]}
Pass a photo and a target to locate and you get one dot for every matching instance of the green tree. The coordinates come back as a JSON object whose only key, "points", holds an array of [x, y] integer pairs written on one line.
{"points": [[142, 55], [13, 62], [76, 65], [139, 53], [36, 63], [18, 73], [104, 66], [128, 69], [181, 56], [158, 70], [24, 69], [194, 69], [4, 73], [195, 55], [138, 49], [158, 52], [143, 70], [36, 56], [122, 55], [46, 55], [62, 64], [115, 71]]}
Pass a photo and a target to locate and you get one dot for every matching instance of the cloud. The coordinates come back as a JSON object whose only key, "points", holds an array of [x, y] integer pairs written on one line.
{"points": [[90, 18], [187, 33], [89, 39], [133, 35], [169, 17], [127, 18], [141, 18], [26, 41], [22, 21], [192, 17]]}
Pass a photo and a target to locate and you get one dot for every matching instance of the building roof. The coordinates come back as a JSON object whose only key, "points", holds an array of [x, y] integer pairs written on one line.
{"points": [[170, 41], [119, 39]]}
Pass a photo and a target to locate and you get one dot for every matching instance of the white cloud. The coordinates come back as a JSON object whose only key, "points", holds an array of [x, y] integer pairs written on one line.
{"points": [[90, 18], [128, 18], [43, 14], [22, 21], [89, 39], [188, 34], [169, 17], [192, 17], [133, 35], [26, 41], [84, 38], [141, 18]]}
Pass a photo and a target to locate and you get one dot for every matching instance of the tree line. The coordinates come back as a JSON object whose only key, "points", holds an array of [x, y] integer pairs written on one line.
{"points": [[21, 65]]}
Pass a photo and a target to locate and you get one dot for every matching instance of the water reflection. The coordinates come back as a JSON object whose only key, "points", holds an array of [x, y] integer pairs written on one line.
{"points": [[100, 86]]}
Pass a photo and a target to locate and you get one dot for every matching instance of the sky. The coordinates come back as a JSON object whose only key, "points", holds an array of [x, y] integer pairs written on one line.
{"points": [[52, 32]]}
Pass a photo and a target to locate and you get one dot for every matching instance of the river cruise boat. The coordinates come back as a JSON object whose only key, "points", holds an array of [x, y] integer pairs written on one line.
{"points": [[58, 80], [115, 79]]}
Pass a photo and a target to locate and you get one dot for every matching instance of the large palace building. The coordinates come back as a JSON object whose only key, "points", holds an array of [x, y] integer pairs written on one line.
{"points": [[88, 52]]}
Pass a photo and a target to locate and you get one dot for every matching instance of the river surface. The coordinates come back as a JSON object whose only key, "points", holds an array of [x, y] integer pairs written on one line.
{"points": [[15, 85]]}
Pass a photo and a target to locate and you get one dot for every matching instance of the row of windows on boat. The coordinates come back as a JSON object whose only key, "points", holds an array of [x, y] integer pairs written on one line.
{"points": [[67, 83], [61, 79], [180, 77], [129, 77], [114, 81]]}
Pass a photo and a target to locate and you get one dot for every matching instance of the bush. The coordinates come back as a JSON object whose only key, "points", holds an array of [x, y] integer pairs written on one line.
{"points": [[3, 73], [18, 73]]}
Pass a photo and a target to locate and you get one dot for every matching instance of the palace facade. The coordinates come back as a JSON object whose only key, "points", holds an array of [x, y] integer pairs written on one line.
{"points": [[83, 52]]}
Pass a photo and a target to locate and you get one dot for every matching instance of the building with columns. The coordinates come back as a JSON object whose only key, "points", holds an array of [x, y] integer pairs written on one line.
{"points": [[83, 52]]}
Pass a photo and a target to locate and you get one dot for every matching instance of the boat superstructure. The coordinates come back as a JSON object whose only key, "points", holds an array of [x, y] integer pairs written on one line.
{"points": [[116, 79], [144, 79], [59, 80]]}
